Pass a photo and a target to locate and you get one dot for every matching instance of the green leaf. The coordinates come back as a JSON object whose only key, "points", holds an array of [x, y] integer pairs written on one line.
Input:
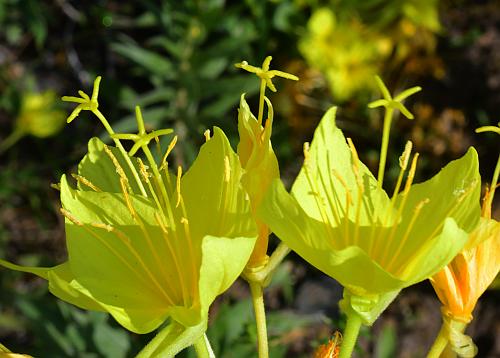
{"points": [[110, 342], [158, 95], [212, 68], [151, 61]]}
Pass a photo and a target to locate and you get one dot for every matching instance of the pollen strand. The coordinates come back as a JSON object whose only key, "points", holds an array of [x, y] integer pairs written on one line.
{"points": [[118, 168], [70, 217], [86, 182]]}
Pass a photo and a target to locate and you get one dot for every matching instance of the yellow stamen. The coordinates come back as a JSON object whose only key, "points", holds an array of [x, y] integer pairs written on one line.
{"points": [[120, 235], [86, 182], [359, 184], [106, 227], [411, 174], [128, 202], [320, 204], [70, 217], [227, 169], [118, 167], [175, 259], [306, 153], [143, 169], [171, 146], [416, 213], [189, 239], [409, 181], [126, 262], [178, 185], [348, 202], [403, 164], [207, 135]]}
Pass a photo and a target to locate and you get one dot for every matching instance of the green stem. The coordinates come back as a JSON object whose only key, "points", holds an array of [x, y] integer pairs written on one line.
{"points": [[260, 318], [119, 145], [440, 343], [494, 183], [350, 334], [261, 101], [385, 144], [11, 140], [264, 275], [203, 348]]}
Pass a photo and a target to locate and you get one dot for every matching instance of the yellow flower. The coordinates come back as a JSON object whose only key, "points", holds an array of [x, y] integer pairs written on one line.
{"points": [[460, 284], [38, 116], [256, 153]]}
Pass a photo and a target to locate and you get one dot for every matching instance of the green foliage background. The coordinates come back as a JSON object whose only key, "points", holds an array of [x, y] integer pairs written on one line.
{"points": [[175, 59]]}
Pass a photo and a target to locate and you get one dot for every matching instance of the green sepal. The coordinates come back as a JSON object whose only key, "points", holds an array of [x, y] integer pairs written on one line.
{"points": [[368, 307], [172, 339]]}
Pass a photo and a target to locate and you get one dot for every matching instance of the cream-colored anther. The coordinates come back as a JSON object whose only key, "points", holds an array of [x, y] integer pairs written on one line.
{"points": [[106, 227], [305, 149], [128, 202], [118, 167], [227, 169], [143, 169], [178, 186], [85, 182], [164, 163], [405, 157], [70, 217]]}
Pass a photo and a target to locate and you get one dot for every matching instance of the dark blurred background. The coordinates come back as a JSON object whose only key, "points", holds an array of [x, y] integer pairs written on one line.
{"points": [[175, 59]]}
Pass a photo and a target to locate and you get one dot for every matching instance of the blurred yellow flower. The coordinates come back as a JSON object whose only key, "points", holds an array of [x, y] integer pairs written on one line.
{"points": [[38, 116]]}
